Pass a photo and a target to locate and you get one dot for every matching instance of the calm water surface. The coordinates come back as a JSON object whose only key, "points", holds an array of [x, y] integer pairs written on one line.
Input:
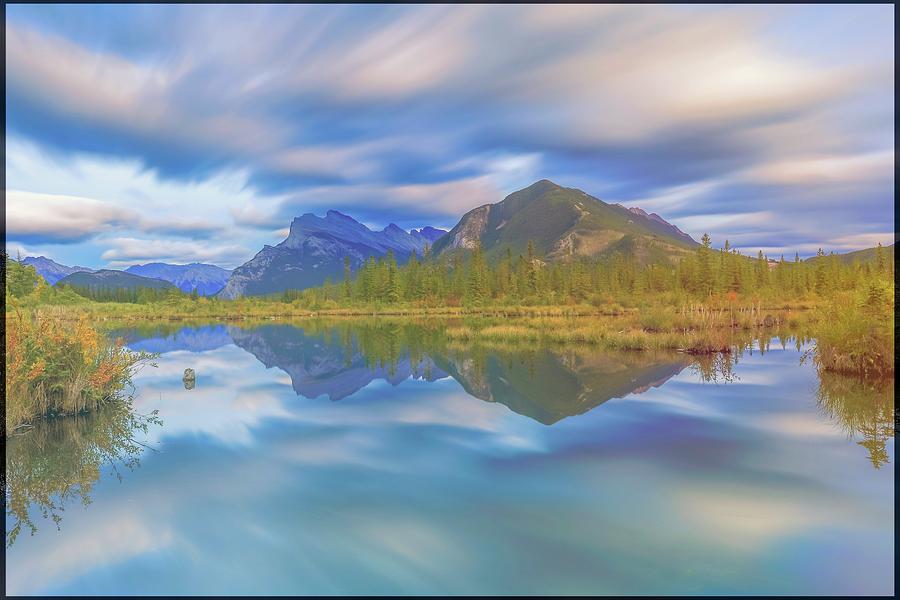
{"points": [[383, 460]]}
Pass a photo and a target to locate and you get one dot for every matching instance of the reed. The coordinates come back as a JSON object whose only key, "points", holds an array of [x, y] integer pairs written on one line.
{"points": [[855, 333], [55, 367]]}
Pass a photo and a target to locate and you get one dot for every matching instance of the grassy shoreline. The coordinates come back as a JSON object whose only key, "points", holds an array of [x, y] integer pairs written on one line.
{"points": [[236, 310], [61, 361], [693, 328]]}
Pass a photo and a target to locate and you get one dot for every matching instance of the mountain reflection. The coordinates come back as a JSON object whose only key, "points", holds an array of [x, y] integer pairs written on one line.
{"points": [[329, 364], [171, 337], [544, 384]]}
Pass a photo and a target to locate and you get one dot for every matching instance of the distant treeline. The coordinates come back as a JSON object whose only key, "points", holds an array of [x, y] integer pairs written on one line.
{"points": [[468, 279], [135, 295]]}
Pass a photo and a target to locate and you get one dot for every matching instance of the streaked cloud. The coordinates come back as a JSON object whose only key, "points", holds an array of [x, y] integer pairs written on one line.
{"points": [[106, 538], [810, 170], [61, 219], [124, 251], [416, 114]]}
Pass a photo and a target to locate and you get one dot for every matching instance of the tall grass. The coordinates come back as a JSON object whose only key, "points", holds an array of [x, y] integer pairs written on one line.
{"points": [[855, 333], [59, 368]]}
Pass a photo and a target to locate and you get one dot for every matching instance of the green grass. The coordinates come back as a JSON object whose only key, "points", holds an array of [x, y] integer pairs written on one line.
{"points": [[696, 330], [855, 333]]}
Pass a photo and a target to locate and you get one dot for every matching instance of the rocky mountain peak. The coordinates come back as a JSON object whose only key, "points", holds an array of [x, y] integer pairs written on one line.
{"points": [[315, 250]]}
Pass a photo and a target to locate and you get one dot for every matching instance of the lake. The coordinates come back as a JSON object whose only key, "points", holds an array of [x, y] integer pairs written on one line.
{"points": [[384, 459]]}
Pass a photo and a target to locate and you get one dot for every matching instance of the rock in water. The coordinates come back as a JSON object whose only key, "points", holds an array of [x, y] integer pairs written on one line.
{"points": [[189, 379]]}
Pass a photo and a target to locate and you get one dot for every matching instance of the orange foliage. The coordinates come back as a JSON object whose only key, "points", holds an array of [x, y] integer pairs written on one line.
{"points": [[55, 368]]}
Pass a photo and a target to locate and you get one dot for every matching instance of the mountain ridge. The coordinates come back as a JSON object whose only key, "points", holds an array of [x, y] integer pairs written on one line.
{"points": [[866, 255], [51, 270], [205, 278], [314, 250]]}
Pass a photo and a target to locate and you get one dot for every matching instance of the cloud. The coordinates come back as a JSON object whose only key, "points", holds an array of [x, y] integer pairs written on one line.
{"points": [[251, 215], [54, 218], [108, 537], [614, 77], [189, 227], [79, 99], [411, 113], [839, 168], [126, 251], [407, 205], [18, 250], [61, 219]]}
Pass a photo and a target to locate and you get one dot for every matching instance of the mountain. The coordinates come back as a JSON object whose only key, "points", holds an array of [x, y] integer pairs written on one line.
{"points": [[318, 366], [546, 385], [207, 279], [110, 279], [51, 270], [429, 233], [155, 336], [564, 222], [550, 385], [315, 249], [659, 224], [867, 255]]}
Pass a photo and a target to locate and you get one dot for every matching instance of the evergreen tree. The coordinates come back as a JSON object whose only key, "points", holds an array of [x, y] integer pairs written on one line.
{"points": [[476, 291], [348, 288], [821, 277], [392, 291], [531, 279], [880, 262]]}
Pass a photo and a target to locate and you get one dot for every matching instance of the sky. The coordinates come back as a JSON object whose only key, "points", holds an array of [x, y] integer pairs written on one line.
{"points": [[196, 133]]}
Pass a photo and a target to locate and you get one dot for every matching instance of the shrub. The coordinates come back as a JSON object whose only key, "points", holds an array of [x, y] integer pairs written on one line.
{"points": [[657, 319], [855, 333], [54, 368]]}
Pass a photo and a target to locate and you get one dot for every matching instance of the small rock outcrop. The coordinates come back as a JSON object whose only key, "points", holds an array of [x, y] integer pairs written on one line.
{"points": [[189, 379], [470, 229]]}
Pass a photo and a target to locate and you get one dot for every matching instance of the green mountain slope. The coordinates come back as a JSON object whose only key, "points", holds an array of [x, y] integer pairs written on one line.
{"points": [[867, 255], [562, 223]]}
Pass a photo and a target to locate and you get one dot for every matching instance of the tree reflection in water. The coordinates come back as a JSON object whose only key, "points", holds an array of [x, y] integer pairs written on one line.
{"points": [[59, 460], [862, 407], [716, 368]]}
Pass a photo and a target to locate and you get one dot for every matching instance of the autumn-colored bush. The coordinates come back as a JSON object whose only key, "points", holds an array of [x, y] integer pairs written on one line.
{"points": [[56, 367]]}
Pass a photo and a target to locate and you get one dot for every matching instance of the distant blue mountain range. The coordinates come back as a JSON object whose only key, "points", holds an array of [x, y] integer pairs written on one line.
{"points": [[207, 279], [52, 271], [313, 251]]}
